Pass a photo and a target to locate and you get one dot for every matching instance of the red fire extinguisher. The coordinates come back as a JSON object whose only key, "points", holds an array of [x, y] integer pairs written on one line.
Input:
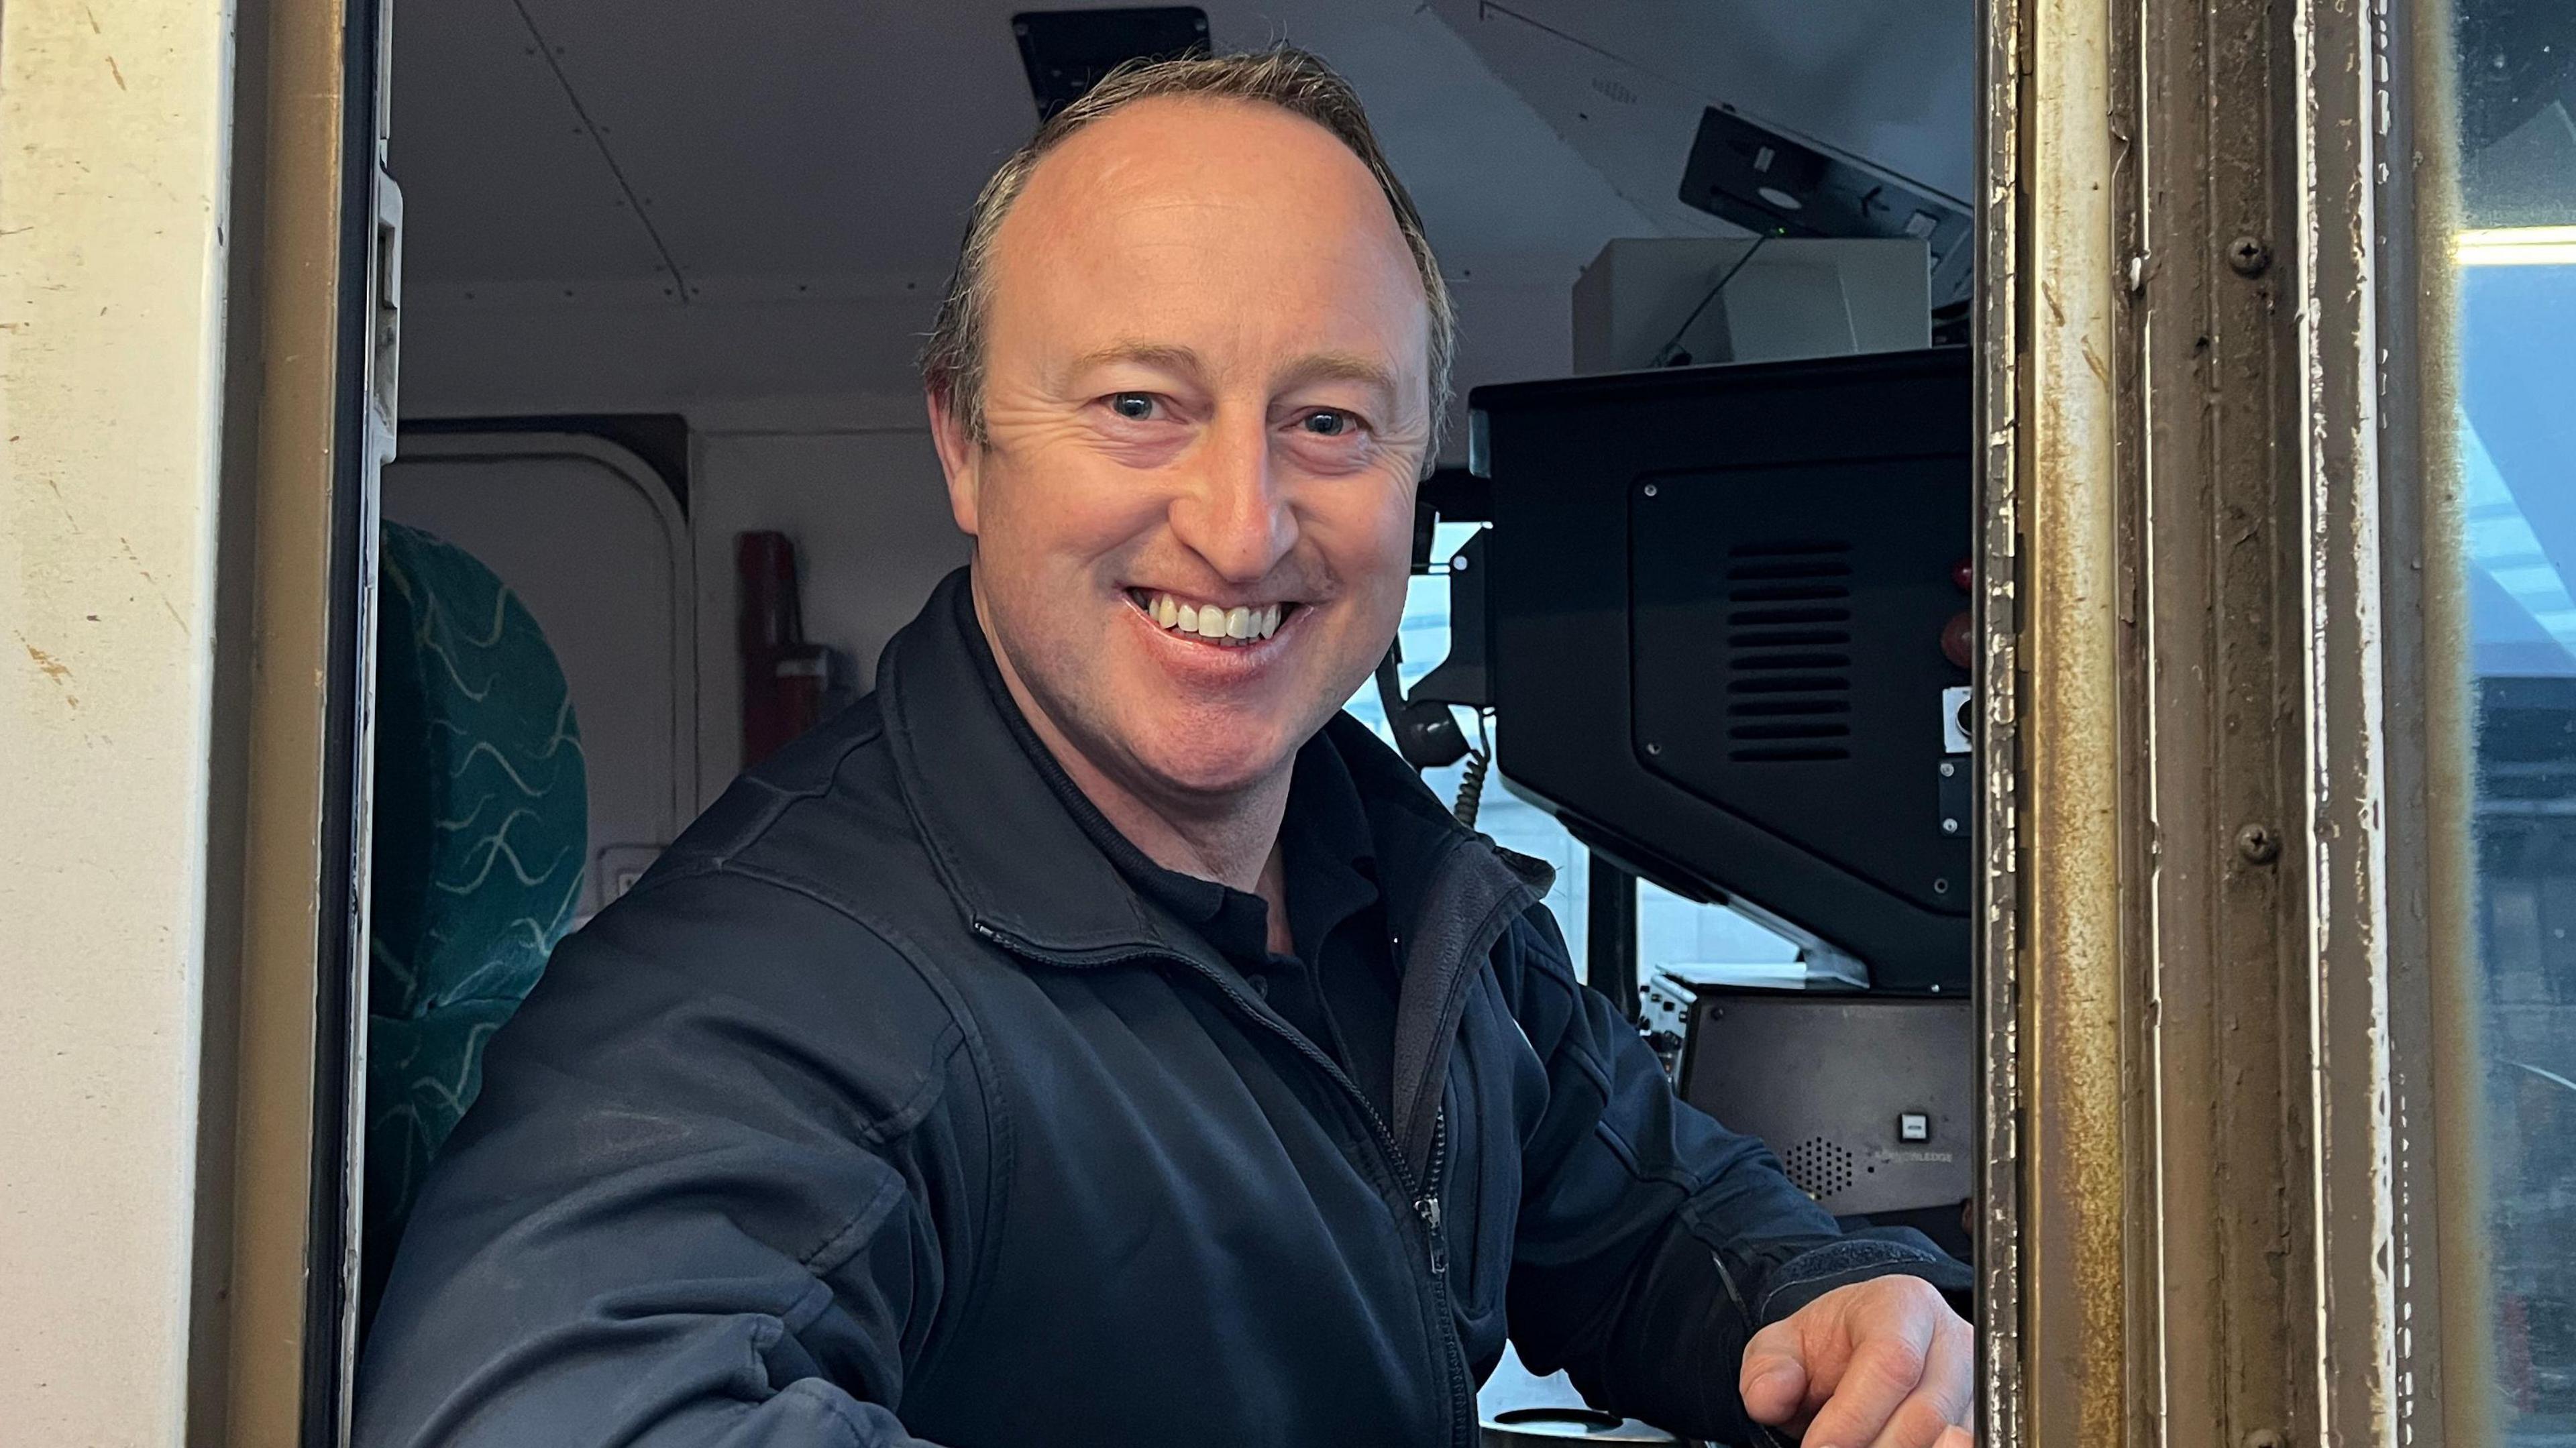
{"points": [[784, 678]]}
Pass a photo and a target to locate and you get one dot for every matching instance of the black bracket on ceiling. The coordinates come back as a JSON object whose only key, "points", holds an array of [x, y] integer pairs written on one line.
{"points": [[1066, 52], [1774, 185]]}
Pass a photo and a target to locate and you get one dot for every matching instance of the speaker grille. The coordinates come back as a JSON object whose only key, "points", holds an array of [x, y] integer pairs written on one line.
{"points": [[1819, 1168], [1788, 660]]}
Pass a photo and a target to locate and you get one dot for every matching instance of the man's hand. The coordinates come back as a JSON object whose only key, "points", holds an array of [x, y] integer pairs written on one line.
{"points": [[1879, 1364]]}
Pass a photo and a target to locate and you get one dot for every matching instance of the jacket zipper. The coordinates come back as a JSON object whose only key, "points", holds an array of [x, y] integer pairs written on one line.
{"points": [[1462, 1405], [1425, 1191]]}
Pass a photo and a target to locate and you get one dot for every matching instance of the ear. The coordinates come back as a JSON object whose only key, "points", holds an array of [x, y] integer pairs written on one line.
{"points": [[959, 458]]}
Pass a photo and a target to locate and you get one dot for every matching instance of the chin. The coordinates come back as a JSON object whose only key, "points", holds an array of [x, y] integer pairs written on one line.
{"points": [[1212, 773]]}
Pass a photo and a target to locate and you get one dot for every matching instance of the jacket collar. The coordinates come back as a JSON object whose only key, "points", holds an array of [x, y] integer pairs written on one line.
{"points": [[1011, 853]]}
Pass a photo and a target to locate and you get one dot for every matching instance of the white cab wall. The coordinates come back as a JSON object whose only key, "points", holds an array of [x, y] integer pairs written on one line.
{"points": [[872, 532], [802, 419]]}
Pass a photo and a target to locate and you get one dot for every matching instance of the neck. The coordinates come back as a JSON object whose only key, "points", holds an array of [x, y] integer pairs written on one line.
{"points": [[1231, 838]]}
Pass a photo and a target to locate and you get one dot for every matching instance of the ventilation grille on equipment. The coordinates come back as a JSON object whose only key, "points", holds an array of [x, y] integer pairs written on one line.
{"points": [[1788, 660], [1819, 1168]]}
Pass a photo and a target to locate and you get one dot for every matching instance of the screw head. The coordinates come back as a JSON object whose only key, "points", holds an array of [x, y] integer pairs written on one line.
{"points": [[2250, 256], [2258, 844]]}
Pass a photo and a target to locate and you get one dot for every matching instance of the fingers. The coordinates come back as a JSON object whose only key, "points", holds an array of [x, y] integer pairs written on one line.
{"points": [[1887, 1365], [1955, 1437], [1939, 1403], [1774, 1381]]}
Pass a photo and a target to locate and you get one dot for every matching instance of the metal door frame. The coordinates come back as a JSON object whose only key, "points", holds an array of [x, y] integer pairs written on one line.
{"points": [[2223, 726], [309, 420]]}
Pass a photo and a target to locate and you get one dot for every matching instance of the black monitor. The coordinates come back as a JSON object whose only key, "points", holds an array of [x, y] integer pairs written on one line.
{"points": [[1716, 600]]}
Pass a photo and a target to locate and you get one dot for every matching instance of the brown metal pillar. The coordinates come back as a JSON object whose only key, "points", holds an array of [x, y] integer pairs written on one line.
{"points": [[2195, 1220]]}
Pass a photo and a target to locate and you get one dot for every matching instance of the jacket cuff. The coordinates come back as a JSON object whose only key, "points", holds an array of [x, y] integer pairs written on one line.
{"points": [[1875, 1252]]}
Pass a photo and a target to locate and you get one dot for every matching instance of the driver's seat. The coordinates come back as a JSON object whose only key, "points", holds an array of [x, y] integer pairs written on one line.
{"points": [[481, 825]]}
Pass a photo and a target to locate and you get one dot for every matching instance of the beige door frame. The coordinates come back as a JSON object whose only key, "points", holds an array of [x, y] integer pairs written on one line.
{"points": [[271, 1334]]}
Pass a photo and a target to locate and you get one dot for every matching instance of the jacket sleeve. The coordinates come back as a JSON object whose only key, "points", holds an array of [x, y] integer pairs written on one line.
{"points": [[1653, 1242], [711, 1194]]}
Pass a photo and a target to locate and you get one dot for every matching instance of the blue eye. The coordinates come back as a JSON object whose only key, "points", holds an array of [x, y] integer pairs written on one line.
{"points": [[1329, 423], [1134, 406]]}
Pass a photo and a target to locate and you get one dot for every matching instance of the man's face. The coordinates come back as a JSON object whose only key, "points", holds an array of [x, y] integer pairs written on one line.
{"points": [[1206, 406]]}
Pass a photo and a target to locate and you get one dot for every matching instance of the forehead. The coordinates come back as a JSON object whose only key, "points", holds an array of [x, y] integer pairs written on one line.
{"points": [[1193, 216]]}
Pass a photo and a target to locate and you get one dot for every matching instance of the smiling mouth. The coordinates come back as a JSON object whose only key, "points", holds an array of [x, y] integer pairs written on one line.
{"points": [[1240, 626]]}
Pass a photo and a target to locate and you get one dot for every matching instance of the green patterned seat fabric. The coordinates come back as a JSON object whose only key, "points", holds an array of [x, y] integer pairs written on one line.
{"points": [[481, 830]]}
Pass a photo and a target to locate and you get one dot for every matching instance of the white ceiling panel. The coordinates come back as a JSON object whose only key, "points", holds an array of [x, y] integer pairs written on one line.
{"points": [[503, 183], [803, 139], [1504, 197], [831, 147]]}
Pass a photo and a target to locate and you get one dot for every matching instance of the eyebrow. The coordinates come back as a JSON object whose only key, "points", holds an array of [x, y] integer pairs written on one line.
{"points": [[1341, 367], [1314, 367], [1148, 354]]}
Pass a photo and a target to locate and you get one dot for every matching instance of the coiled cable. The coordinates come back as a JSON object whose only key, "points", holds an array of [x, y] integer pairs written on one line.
{"points": [[1471, 779]]}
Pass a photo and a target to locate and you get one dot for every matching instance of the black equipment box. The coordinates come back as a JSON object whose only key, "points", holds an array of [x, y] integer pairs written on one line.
{"points": [[1866, 1099], [1715, 603]]}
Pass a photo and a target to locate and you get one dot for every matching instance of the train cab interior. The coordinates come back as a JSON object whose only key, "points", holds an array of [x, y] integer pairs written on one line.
{"points": [[1691, 614], [2013, 557]]}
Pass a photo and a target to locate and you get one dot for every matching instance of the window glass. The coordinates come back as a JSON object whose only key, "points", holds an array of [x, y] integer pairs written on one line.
{"points": [[2516, 350], [1670, 929]]}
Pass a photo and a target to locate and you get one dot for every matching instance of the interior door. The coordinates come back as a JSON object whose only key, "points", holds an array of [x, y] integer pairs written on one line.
{"points": [[592, 540]]}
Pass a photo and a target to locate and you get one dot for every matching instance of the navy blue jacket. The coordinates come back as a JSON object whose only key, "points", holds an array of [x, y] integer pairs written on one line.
{"points": [[883, 1111]]}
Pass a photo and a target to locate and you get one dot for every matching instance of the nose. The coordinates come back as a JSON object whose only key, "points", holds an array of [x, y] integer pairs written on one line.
{"points": [[1233, 512]]}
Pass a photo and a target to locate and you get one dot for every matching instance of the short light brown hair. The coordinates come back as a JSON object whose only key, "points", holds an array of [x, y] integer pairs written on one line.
{"points": [[1296, 81]]}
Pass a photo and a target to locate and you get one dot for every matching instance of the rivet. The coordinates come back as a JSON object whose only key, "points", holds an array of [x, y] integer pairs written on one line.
{"points": [[1653, 748], [2251, 256], [1650, 490], [2258, 844], [1941, 887], [1949, 827]]}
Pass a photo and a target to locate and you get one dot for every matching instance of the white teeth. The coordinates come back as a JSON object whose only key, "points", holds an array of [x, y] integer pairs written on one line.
{"points": [[1244, 624]]}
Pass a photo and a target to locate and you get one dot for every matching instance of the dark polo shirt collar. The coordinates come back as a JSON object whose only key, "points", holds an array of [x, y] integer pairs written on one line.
{"points": [[1339, 987]]}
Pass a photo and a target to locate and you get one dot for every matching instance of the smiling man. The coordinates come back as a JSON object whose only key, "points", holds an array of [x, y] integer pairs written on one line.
{"points": [[1092, 1038]]}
